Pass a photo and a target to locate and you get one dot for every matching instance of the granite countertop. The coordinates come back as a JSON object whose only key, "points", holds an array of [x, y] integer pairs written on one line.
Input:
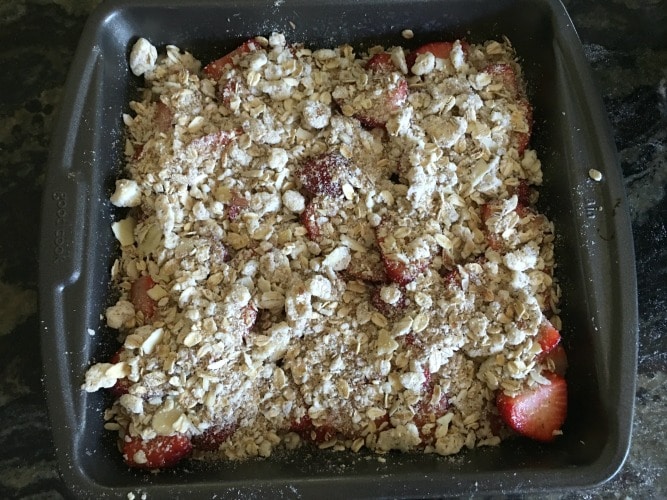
{"points": [[626, 44]]}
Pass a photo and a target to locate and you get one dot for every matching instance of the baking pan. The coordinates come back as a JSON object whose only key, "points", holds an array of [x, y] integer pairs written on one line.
{"points": [[594, 248]]}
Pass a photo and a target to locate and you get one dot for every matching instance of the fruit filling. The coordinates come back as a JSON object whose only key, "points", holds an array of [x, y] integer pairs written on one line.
{"points": [[332, 248]]}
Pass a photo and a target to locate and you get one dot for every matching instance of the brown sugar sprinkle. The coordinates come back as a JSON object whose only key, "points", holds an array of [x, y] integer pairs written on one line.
{"points": [[329, 252]]}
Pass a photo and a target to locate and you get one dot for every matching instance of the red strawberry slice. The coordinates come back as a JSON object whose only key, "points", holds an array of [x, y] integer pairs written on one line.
{"points": [[323, 174], [523, 192], [248, 317], [380, 63], [309, 219], [214, 140], [156, 453], [308, 431], [212, 438], [390, 101], [427, 411], [504, 74], [388, 310], [537, 412], [547, 336], [557, 358], [163, 116], [451, 277], [368, 268], [236, 205], [403, 273], [441, 50], [398, 271], [140, 298], [522, 139], [438, 49], [216, 68], [122, 385]]}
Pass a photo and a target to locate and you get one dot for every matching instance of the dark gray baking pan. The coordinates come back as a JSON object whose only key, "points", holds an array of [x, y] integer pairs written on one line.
{"points": [[594, 249]]}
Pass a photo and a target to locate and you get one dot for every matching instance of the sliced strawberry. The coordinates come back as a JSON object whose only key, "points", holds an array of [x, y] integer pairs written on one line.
{"points": [[380, 63], [227, 89], [214, 140], [309, 219], [237, 204], [388, 310], [382, 423], [403, 273], [368, 268], [163, 116], [547, 336], [140, 298], [523, 192], [390, 100], [156, 453], [438, 49], [504, 74], [122, 385], [522, 139], [398, 271], [323, 174], [556, 360], [537, 412], [216, 68], [441, 50], [451, 277], [212, 438], [138, 151], [248, 317], [308, 431], [427, 411]]}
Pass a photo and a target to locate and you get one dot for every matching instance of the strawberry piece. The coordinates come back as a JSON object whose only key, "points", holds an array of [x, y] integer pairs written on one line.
{"points": [[323, 174], [122, 385], [309, 219], [163, 116], [390, 100], [523, 192], [236, 205], [402, 273], [438, 49], [248, 317], [547, 336], [308, 431], [451, 277], [388, 310], [229, 88], [368, 268], [537, 412], [156, 453], [427, 411], [398, 271], [214, 140], [522, 139], [505, 74], [380, 63], [140, 298], [216, 68], [213, 437], [556, 359]]}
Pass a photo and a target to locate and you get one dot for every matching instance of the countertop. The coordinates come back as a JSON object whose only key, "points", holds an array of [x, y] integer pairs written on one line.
{"points": [[626, 44]]}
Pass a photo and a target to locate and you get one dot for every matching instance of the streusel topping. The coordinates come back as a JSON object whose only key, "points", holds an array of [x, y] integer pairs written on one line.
{"points": [[326, 237]]}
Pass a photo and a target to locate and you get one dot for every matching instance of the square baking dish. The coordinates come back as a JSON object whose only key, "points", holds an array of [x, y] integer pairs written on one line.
{"points": [[594, 248]]}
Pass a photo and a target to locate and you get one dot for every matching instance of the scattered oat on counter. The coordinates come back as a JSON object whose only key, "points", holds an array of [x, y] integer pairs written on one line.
{"points": [[326, 246], [595, 174]]}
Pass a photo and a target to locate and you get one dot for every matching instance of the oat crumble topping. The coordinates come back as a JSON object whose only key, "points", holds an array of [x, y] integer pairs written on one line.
{"points": [[315, 238]]}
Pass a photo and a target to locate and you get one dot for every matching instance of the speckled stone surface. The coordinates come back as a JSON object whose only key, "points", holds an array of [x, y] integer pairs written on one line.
{"points": [[626, 44]]}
